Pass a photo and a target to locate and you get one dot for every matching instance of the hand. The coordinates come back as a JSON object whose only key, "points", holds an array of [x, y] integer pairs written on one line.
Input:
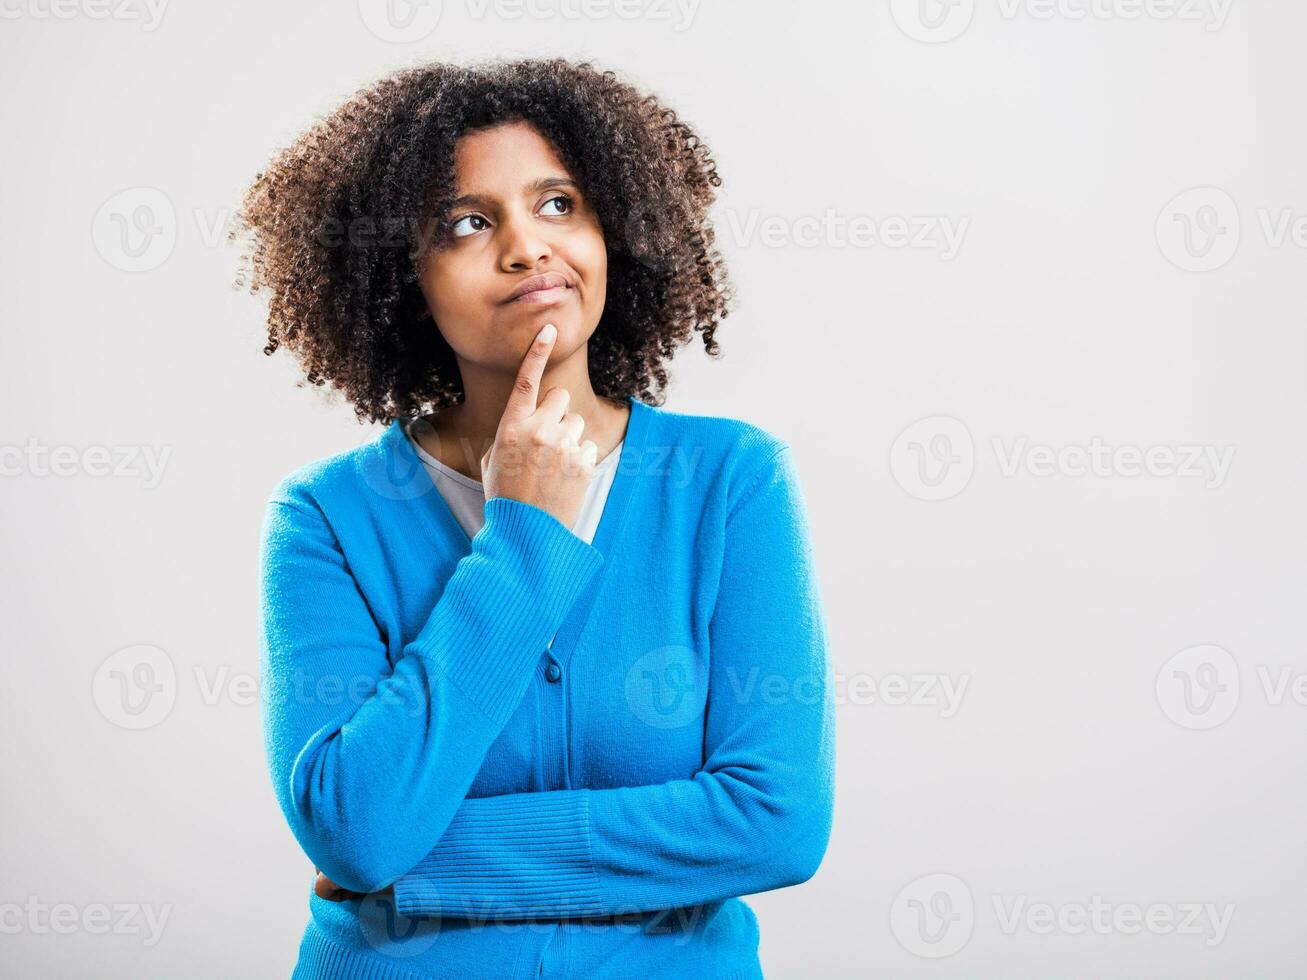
{"points": [[537, 456], [324, 887]]}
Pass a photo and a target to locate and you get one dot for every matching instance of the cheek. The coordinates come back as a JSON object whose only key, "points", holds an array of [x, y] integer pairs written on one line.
{"points": [[447, 287], [593, 258], [596, 250], [453, 303], [597, 294]]}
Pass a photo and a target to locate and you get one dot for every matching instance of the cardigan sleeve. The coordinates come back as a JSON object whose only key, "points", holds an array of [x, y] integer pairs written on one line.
{"points": [[369, 760], [756, 817]]}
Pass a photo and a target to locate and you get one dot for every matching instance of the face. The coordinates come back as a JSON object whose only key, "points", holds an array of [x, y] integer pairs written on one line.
{"points": [[518, 215]]}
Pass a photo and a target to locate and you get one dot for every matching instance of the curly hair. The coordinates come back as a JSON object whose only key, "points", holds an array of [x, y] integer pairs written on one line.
{"points": [[338, 222]]}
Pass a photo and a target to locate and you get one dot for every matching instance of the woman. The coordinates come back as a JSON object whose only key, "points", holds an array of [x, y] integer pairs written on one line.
{"points": [[545, 678]]}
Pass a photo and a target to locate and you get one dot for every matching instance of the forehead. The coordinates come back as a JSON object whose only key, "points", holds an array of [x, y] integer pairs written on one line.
{"points": [[500, 157]]}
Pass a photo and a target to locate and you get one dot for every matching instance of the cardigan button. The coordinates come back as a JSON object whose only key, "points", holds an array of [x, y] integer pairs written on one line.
{"points": [[552, 673]]}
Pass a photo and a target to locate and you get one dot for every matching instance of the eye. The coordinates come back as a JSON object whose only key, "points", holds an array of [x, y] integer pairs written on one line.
{"points": [[560, 197], [453, 228]]}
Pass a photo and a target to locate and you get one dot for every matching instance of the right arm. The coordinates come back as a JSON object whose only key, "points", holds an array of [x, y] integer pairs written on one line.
{"points": [[370, 764]]}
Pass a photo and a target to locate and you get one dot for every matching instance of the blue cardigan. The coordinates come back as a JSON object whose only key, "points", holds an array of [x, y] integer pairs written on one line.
{"points": [[539, 756]]}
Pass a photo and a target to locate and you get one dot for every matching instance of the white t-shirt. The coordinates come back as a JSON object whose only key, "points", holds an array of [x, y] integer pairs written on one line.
{"points": [[467, 497]]}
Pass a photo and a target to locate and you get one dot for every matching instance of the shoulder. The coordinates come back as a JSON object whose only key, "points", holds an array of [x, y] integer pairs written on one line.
{"points": [[340, 483], [730, 452], [725, 436], [726, 431]]}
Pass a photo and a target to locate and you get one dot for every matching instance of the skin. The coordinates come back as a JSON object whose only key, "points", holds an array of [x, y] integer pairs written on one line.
{"points": [[505, 233], [527, 446]]}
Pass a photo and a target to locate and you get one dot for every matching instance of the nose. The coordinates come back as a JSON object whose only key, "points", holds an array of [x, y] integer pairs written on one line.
{"points": [[523, 245]]}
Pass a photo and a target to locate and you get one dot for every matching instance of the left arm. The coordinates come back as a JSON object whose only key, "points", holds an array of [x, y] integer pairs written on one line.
{"points": [[756, 817]]}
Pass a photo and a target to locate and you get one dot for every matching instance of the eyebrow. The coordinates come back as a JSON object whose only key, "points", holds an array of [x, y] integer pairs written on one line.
{"points": [[535, 187]]}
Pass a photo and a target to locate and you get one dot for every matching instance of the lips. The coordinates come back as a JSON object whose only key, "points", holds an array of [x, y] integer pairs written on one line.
{"points": [[550, 283]]}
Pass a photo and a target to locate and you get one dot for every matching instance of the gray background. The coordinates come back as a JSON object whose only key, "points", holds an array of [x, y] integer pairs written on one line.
{"points": [[1129, 184]]}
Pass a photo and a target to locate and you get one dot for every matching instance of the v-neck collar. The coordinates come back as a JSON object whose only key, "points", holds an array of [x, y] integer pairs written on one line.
{"points": [[408, 479]]}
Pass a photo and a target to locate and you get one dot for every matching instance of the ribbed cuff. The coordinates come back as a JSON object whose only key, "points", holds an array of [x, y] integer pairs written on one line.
{"points": [[509, 595], [509, 857]]}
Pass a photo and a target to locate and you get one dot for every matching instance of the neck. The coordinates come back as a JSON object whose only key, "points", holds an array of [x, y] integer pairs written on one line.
{"points": [[462, 433]]}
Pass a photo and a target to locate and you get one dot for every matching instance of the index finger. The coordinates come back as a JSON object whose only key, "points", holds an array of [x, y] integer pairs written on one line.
{"points": [[523, 399]]}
